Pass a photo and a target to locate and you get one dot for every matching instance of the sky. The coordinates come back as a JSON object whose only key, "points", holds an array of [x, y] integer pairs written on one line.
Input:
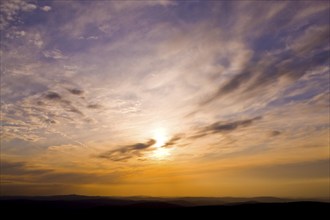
{"points": [[165, 98]]}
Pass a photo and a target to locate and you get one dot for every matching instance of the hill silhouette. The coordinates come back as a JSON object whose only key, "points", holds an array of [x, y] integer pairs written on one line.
{"points": [[49, 207]]}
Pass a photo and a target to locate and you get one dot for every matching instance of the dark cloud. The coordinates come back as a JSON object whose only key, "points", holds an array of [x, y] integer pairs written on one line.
{"points": [[76, 91], [136, 150], [94, 106], [174, 140], [301, 170], [13, 172], [293, 68], [222, 127], [230, 86], [307, 52], [50, 121], [36, 189], [19, 168], [66, 104], [229, 126], [275, 133], [199, 135], [40, 103], [127, 152], [75, 110], [53, 96]]}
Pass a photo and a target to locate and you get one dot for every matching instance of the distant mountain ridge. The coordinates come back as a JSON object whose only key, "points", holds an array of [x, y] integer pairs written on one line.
{"points": [[98, 207], [181, 201]]}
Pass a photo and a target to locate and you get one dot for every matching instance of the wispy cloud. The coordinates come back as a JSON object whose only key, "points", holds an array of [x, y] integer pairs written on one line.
{"points": [[11, 9], [20, 168], [127, 152], [174, 140], [53, 96], [22, 173], [54, 54], [223, 127], [46, 8], [76, 91]]}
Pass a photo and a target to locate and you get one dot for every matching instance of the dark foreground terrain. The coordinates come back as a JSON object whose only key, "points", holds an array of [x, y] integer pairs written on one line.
{"points": [[53, 207]]}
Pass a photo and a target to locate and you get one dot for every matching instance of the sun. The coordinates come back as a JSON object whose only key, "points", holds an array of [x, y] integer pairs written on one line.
{"points": [[161, 137]]}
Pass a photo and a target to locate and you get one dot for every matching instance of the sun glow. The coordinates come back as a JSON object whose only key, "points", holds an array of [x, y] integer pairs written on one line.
{"points": [[161, 137], [161, 153]]}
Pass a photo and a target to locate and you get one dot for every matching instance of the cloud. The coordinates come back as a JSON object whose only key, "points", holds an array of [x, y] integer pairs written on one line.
{"points": [[54, 54], [36, 39], [28, 7], [223, 127], [114, 14], [310, 10], [275, 133], [314, 38], [128, 5], [14, 34], [307, 52], [230, 126], [66, 104], [50, 121], [174, 140], [11, 8], [22, 172], [230, 86], [53, 96], [76, 91], [300, 170], [75, 110], [46, 8], [46, 112], [41, 114], [63, 148], [13, 127], [127, 152], [20, 168], [94, 106], [89, 37]]}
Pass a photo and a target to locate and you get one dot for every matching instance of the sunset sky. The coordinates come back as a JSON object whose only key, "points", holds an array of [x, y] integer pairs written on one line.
{"points": [[165, 98]]}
